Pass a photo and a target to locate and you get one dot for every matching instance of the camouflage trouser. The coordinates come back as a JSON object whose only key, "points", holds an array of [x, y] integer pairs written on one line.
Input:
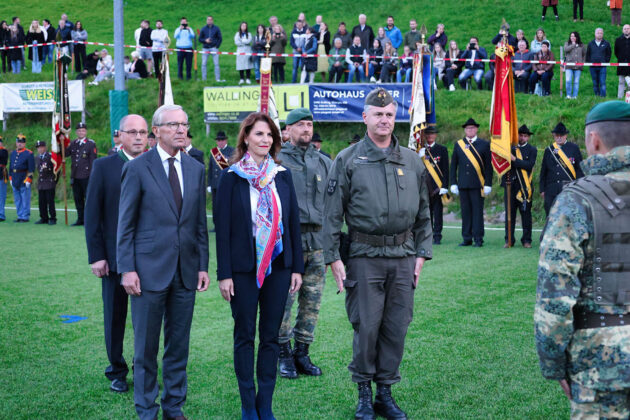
{"points": [[589, 404], [309, 300]]}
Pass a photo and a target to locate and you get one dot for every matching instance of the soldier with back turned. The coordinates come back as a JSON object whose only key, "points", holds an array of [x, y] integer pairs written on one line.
{"points": [[379, 187], [582, 314]]}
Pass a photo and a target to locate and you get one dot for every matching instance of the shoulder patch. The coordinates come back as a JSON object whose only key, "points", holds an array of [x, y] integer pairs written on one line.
{"points": [[332, 186]]}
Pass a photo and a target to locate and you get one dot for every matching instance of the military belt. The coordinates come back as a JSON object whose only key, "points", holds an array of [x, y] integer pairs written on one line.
{"points": [[585, 320], [381, 240], [309, 227]]}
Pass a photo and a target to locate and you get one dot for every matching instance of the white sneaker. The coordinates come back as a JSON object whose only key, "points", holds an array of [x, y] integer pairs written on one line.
{"points": [[93, 83], [220, 80], [627, 78], [569, 97], [373, 79], [249, 82], [451, 88], [240, 82]]}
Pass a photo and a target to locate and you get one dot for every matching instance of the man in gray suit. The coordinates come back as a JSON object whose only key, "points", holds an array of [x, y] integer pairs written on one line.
{"points": [[162, 254]]}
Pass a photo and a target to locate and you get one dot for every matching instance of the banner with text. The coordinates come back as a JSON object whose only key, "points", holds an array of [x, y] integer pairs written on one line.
{"points": [[329, 102], [37, 97]]}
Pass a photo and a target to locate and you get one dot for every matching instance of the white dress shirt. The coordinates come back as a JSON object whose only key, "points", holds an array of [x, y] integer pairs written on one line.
{"points": [[127, 154], [164, 157]]}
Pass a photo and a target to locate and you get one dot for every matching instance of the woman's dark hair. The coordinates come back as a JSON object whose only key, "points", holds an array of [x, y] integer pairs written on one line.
{"points": [[240, 32], [379, 43], [578, 40], [78, 22], [246, 128], [258, 27]]}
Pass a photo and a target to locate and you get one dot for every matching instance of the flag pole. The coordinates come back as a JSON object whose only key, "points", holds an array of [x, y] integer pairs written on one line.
{"points": [[508, 179]]}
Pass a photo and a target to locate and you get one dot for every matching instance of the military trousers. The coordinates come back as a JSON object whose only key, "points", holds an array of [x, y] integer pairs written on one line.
{"points": [[309, 301], [79, 191], [589, 404], [437, 216], [46, 200], [526, 216], [472, 214], [379, 303]]}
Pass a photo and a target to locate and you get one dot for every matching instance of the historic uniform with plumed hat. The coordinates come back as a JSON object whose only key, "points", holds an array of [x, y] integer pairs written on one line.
{"points": [[21, 175]]}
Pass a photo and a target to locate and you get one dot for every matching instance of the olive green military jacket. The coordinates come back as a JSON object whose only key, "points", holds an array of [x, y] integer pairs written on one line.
{"points": [[377, 195], [309, 170], [595, 358]]}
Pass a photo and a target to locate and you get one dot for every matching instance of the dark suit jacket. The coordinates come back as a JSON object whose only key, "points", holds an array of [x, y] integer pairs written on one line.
{"points": [[47, 180], [440, 155], [153, 239], [463, 173], [214, 171], [101, 210], [529, 154], [197, 155], [552, 174], [235, 240]]}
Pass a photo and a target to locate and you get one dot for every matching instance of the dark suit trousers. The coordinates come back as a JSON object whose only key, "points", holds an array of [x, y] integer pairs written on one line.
{"points": [[551, 192], [271, 298], [46, 200], [184, 56], [472, 214], [526, 216], [437, 215], [175, 305], [115, 316], [79, 191], [214, 203]]}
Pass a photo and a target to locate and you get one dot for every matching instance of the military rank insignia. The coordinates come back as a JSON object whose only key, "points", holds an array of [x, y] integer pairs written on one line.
{"points": [[332, 186], [400, 172]]}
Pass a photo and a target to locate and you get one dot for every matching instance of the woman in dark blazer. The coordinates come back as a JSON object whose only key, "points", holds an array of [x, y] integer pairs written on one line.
{"points": [[259, 255]]}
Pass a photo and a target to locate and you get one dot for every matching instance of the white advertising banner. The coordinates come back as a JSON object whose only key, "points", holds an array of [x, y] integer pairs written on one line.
{"points": [[37, 97]]}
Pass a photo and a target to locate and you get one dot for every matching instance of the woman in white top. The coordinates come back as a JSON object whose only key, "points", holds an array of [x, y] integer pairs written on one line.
{"points": [[243, 41]]}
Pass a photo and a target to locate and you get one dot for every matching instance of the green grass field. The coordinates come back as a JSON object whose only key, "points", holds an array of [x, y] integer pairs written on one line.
{"points": [[469, 352]]}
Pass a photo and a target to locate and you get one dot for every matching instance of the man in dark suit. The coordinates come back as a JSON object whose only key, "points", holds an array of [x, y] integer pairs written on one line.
{"points": [[435, 158], [162, 253], [522, 190], [101, 217], [192, 151], [560, 165], [471, 170], [217, 162], [317, 142], [46, 183]]}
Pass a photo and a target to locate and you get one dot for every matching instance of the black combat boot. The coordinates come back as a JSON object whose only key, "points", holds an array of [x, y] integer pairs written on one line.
{"points": [[285, 361], [365, 409], [384, 404], [303, 361]]}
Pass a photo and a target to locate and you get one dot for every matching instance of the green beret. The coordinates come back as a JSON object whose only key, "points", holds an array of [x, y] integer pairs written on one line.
{"points": [[299, 114], [609, 111], [379, 97]]}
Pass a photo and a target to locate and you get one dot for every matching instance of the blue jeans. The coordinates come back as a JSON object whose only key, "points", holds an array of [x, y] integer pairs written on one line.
{"points": [[598, 74], [573, 82], [360, 70], [36, 65], [256, 61], [22, 198], [204, 63], [16, 66], [476, 74], [407, 73], [297, 64], [3, 198], [48, 53]]}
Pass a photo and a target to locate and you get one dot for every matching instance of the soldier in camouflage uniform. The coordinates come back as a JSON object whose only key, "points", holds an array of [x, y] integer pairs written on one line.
{"points": [[310, 170], [581, 318], [379, 187]]}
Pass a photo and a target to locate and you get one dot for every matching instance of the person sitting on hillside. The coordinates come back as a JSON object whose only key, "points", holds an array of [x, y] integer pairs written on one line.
{"points": [[453, 68], [542, 71], [137, 69], [390, 63], [89, 69], [472, 67], [337, 62], [375, 57], [354, 57], [104, 68], [406, 64], [521, 70]]}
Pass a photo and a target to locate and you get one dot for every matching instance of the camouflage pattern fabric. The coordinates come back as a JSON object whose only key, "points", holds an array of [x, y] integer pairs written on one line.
{"points": [[595, 361], [309, 300]]}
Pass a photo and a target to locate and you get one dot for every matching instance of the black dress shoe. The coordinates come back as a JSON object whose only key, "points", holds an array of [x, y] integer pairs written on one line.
{"points": [[437, 241], [41, 222], [2, 220], [119, 385], [466, 243], [477, 244], [303, 362], [52, 222], [385, 405], [77, 223]]}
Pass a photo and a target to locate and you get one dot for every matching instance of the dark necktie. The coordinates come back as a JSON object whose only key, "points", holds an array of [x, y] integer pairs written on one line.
{"points": [[173, 179]]}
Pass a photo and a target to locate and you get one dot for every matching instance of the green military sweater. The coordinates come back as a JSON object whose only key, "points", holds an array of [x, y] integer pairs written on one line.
{"points": [[378, 194]]}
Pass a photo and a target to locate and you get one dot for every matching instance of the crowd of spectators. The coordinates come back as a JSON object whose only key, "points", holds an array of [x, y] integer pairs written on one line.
{"points": [[361, 54]]}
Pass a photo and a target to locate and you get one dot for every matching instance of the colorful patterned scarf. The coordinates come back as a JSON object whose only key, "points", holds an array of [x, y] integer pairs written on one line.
{"points": [[268, 222]]}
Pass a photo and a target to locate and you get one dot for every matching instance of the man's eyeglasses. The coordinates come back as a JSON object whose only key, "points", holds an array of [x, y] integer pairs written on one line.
{"points": [[175, 125], [134, 133]]}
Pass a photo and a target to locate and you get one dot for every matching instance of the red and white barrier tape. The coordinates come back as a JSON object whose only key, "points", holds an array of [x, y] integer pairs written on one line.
{"points": [[484, 60]]}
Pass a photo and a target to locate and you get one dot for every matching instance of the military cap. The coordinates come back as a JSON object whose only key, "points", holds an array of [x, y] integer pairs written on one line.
{"points": [[221, 136], [116, 133], [431, 130], [379, 97], [470, 121], [40, 143], [609, 111], [560, 129], [299, 114], [523, 129], [21, 138], [81, 124], [316, 138]]}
